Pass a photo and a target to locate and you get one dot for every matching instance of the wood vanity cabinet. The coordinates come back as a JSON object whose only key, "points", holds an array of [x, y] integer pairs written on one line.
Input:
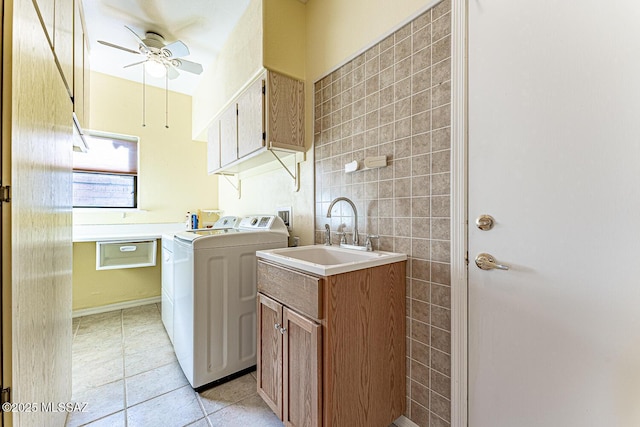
{"points": [[331, 350]]}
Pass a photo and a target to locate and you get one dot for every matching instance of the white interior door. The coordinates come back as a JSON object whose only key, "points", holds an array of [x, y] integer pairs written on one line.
{"points": [[554, 157]]}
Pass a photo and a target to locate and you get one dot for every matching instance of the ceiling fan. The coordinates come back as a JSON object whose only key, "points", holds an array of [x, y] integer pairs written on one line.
{"points": [[161, 59]]}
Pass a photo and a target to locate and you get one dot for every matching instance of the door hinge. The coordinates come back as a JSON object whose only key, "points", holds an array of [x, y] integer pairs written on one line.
{"points": [[5, 194], [5, 396]]}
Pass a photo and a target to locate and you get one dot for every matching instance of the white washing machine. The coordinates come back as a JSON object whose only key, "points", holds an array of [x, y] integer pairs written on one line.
{"points": [[214, 334], [225, 222]]}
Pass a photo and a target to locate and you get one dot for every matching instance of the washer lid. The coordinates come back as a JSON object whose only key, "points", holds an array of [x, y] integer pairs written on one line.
{"points": [[192, 235]]}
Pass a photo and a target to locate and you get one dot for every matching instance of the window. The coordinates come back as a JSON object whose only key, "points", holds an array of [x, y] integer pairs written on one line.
{"points": [[106, 176]]}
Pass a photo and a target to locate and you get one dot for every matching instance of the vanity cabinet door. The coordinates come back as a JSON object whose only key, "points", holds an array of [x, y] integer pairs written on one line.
{"points": [[269, 361], [302, 376]]}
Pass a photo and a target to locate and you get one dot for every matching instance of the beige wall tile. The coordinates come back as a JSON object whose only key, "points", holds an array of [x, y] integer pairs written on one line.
{"points": [[395, 100]]}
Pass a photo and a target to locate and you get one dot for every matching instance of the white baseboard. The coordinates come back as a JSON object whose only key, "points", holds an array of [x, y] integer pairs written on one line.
{"points": [[116, 306], [405, 422]]}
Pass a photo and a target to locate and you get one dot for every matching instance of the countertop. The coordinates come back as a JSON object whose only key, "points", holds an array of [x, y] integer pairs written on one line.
{"points": [[105, 232]]}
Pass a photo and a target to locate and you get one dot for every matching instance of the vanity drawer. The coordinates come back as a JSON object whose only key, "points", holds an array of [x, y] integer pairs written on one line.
{"points": [[291, 288]]}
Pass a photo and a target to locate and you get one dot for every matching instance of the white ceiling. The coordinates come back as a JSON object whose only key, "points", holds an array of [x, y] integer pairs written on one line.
{"points": [[203, 25]]}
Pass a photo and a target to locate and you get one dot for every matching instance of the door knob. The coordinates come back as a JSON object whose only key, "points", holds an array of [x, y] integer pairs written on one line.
{"points": [[485, 222], [488, 262]]}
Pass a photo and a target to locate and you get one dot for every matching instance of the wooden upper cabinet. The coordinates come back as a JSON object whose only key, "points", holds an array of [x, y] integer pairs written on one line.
{"points": [[270, 115], [78, 64], [285, 126], [47, 11], [80, 67], [213, 147], [229, 135], [251, 119], [63, 40], [57, 22]]}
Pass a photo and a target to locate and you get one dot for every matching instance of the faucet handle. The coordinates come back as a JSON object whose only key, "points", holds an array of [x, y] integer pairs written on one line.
{"points": [[343, 239], [368, 244], [327, 235]]}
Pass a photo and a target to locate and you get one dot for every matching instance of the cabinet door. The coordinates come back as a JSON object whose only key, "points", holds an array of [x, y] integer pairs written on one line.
{"points": [[269, 360], [213, 147], [285, 124], [63, 40], [78, 65], [47, 11], [301, 371], [251, 119], [86, 75], [229, 135]]}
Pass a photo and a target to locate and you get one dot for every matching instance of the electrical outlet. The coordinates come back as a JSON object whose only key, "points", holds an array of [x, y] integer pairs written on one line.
{"points": [[287, 218]]}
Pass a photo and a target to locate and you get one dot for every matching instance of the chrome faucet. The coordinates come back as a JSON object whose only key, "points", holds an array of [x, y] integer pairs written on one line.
{"points": [[355, 216]]}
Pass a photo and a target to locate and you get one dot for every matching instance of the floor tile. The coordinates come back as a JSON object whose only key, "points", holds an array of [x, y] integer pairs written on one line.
{"points": [[228, 393], [115, 420], [251, 411], [153, 383], [177, 408], [148, 359], [87, 375], [142, 338], [101, 401], [202, 423], [125, 358]]}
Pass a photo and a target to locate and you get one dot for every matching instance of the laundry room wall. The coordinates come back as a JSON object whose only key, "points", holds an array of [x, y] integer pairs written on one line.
{"points": [[334, 32], [172, 174], [172, 179]]}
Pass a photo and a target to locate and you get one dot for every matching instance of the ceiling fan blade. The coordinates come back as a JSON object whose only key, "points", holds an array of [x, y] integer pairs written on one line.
{"points": [[135, 63], [172, 73], [126, 49], [188, 66], [176, 49], [142, 45]]}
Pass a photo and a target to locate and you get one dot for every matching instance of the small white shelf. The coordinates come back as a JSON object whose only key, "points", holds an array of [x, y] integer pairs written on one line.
{"points": [[125, 254]]}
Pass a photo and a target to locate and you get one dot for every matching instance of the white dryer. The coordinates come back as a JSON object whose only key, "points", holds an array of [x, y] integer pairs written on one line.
{"points": [[214, 333], [167, 271]]}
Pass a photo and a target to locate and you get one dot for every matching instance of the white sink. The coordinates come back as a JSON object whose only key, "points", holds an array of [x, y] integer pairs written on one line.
{"points": [[328, 260]]}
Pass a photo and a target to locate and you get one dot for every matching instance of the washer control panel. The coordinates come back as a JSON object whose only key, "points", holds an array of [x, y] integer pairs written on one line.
{"points": [[257, 222]]}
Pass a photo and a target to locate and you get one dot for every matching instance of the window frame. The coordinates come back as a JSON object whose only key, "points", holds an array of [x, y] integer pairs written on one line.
{"points": [[136, 175]]}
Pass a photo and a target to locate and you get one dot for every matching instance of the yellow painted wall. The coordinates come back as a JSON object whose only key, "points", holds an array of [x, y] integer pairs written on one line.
{"points": [[271, 34], [284, 24], [338, 29], [172, 180], [239, 60], [95, 288], [172, 177]]}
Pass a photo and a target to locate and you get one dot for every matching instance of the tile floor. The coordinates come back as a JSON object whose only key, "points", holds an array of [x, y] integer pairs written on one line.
{"points": [[124, 367]]}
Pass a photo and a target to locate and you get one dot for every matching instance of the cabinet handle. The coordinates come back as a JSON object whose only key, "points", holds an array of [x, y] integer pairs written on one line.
{"points": [[277, 326], [283, 330]]}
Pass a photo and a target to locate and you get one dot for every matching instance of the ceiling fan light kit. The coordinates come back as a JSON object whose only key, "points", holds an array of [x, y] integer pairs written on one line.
{"points": [[160, 60]]}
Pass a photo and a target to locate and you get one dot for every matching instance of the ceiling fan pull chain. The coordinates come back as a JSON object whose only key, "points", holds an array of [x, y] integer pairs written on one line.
{"points": [[144, 98], [166, 100]]}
